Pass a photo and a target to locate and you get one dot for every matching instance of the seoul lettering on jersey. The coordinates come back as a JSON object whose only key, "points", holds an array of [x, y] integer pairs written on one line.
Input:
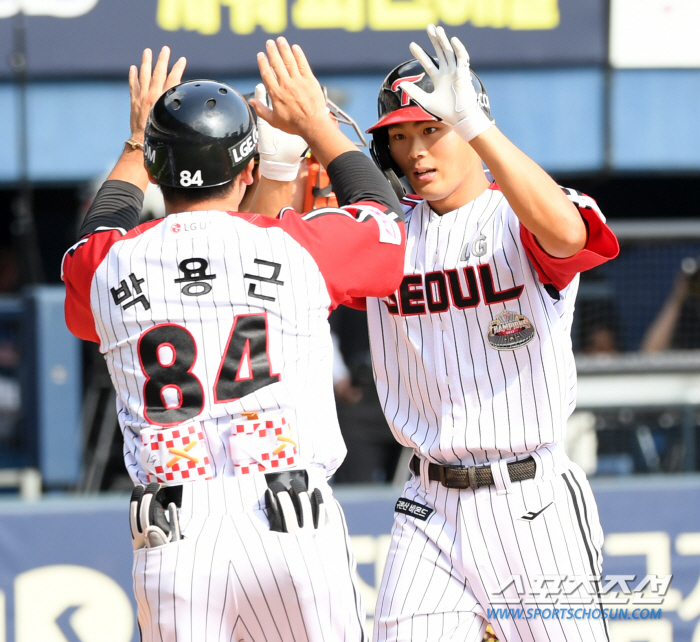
{"points": [[421, 294], [473, 365]]}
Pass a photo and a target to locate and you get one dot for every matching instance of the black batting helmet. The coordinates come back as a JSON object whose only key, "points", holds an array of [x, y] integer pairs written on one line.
{"points": [[200, 133], [395, 106]]}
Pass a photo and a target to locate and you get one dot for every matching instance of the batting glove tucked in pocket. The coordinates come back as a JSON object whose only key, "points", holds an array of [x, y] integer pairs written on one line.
{"points": [[152, 523], [294, 509]]}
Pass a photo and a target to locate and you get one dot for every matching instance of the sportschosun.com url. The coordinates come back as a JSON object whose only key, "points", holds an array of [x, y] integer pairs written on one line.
{"points": [[574, 614]]}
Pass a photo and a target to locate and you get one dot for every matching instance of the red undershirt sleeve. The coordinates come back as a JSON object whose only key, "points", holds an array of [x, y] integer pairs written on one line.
{"points": [[359, 249], [77, 271], [601, 246]]}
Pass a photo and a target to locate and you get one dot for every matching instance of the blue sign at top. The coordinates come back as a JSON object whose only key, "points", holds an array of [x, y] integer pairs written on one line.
{"points": [[103, 37]]}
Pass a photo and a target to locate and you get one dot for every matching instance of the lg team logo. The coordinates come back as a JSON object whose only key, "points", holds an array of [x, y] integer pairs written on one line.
{"points": [[405, 98]]}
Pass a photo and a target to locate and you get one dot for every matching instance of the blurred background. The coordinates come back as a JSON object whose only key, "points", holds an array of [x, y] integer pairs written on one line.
{"points": [[604, 94]]}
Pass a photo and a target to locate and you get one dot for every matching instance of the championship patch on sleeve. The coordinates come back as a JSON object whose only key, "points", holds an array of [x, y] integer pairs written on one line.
{"points": [[407, 507]]}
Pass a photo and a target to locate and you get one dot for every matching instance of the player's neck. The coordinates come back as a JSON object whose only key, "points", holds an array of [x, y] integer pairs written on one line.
{"points": [[230, 203], [473, 184], [220, 205]]}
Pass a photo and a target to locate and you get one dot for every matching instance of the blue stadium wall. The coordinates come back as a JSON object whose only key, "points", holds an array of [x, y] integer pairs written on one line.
{"points": [[565, 119], [65, 564]]}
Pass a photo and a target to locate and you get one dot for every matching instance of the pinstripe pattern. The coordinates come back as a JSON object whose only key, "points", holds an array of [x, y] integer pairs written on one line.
{"points": [[231, 578], [443, 573], [455, 399], [444, 389], [299, 338]]}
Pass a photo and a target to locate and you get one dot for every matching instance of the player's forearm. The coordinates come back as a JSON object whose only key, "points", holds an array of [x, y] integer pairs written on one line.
{"points": [[271, 196], [326, 141], [537, 200], [130, 168]]}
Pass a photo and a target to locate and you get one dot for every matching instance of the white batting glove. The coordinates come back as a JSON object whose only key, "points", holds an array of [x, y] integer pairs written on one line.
{"points": [[453, 98], [280, 153]]}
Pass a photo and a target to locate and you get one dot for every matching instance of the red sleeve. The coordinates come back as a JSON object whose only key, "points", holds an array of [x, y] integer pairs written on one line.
{"points": [[77, 270], [357, 303], [359, 248], [601, 246]]}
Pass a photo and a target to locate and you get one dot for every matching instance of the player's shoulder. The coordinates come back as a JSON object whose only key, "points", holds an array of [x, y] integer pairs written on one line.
{"points": [[105, 237], [409, 203], [119, 233]]}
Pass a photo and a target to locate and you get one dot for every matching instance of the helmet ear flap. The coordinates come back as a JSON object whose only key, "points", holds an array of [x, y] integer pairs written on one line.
{"points": [[379, 150]]}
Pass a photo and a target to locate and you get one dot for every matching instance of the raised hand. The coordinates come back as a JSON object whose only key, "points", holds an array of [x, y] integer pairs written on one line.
{"points": [[146, 86], [280, 152], [454, 99], [298, 102]]}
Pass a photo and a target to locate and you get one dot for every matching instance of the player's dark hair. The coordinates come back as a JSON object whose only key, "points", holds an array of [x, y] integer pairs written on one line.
{"points": [[184, 197]]}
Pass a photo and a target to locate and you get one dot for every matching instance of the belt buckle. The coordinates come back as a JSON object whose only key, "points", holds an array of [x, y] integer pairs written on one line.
{"points": [[447, 482]]}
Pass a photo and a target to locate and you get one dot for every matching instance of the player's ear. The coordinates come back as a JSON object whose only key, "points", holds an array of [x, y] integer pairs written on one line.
{"points": [[247, 174], [151, 179]]}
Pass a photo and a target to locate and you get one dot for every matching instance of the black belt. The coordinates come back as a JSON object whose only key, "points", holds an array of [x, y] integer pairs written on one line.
{"points": [[473, 476]]}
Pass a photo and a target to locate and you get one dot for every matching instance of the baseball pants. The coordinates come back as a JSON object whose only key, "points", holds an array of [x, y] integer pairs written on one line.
{"points": [[479, 549], [232, 579]]}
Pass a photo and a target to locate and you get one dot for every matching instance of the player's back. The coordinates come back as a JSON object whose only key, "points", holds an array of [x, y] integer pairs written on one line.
{"points": [[204, 316]]}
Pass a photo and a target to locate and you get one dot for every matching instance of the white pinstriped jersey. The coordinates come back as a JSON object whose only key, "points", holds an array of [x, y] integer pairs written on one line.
{"points": [[203, 316], [472, 355]]}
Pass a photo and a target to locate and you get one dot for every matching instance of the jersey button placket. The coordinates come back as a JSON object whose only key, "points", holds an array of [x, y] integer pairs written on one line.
{"points": [[439, 327]]}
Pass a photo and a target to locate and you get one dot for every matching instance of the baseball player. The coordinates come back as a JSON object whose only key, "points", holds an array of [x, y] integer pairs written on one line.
{"points": [[475, 371], [214, 327]]}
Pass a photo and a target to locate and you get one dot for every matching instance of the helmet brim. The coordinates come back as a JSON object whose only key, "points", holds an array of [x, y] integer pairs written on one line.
{"points": [[409, 114]]}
